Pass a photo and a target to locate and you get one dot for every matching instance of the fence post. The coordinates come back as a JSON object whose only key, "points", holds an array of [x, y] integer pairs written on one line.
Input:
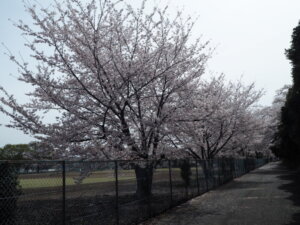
{"points": [[197, 174], [117, 192], [185, 183], [170, 180], [63, 192], [219, 170], [149, 185], [232, 169], [238, 162], [205, 173], [212, 171]]}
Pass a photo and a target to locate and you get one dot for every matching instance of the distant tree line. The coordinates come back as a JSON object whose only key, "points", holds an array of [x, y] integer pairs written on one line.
{"points": [[31, 151], [286, 144]]}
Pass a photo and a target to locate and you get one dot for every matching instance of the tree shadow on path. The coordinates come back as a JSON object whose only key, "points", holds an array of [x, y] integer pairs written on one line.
{"points": [[293, 187]]}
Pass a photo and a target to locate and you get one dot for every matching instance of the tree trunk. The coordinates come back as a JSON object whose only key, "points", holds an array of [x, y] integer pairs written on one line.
{"points": [[143, 181]]}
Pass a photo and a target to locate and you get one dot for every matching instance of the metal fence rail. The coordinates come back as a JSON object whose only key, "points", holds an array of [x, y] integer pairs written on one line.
{"points": [[106, 192]]}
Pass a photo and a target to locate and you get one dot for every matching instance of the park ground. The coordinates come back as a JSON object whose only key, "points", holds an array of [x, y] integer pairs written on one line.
{"points": [[269, 195]]}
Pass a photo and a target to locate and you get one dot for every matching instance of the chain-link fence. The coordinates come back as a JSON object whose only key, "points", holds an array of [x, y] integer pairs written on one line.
{"points": [[106, 192]]}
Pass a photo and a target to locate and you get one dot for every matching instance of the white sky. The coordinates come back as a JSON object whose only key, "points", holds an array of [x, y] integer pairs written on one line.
{"points": [[249, 35]]}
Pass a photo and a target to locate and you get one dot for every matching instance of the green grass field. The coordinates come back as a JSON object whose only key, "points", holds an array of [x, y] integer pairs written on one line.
{"points": [[55, 180], [44, 180]]}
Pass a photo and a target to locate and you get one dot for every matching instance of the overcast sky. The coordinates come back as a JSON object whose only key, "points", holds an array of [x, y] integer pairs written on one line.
{"points": [[249, 35]]}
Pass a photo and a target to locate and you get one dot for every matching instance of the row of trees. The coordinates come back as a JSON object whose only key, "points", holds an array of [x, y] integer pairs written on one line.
{"points": [[126, 83], [31, 151], [287, 139]]}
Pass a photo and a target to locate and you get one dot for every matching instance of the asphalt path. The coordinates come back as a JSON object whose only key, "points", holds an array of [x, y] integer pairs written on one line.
{"points": [[269, 195]]}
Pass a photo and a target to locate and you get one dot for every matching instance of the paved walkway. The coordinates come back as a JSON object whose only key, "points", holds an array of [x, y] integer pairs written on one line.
{"points": [[269, 195]]}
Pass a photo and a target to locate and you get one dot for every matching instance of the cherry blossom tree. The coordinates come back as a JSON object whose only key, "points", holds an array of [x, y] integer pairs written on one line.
{"points": [[274, 116], [221, 121], [252, 141], [264, 120], [113, 76]]}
